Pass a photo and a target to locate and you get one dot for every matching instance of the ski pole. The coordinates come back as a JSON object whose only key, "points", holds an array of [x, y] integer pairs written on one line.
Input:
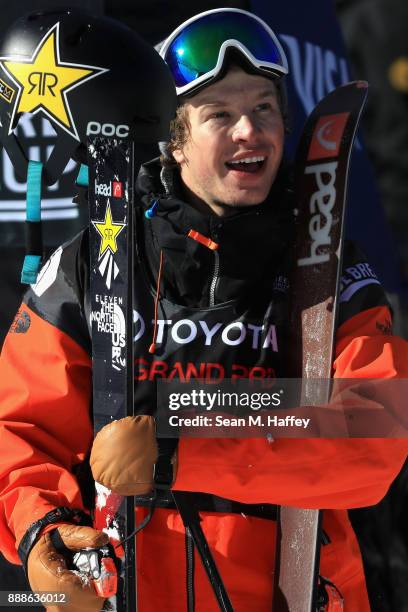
{"points": [[191, 520]]}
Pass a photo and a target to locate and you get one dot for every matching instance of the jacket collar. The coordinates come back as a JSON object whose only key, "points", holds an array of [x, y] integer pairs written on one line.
{"points": [[251, 244]]}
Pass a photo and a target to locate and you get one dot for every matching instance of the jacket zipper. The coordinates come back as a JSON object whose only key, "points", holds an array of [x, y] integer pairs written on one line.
{"points": [[216, 271], [190, 571]]}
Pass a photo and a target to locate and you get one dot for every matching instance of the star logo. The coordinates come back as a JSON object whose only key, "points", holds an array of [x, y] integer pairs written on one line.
{"points": [[109, 231], [43, 81]]}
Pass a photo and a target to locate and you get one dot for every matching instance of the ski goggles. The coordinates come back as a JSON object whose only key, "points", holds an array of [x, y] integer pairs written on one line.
{"points": [[195, 51]]}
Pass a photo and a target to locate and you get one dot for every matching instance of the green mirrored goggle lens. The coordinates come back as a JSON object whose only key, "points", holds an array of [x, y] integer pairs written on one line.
{"points": [[194, 52]]}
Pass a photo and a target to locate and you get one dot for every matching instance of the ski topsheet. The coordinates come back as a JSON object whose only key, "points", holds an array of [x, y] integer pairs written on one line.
{"points": [[321, 173], [111, 180]]}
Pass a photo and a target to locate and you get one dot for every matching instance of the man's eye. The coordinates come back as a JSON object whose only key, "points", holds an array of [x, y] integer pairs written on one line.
{"points": [[265, 106], [219, 115]]}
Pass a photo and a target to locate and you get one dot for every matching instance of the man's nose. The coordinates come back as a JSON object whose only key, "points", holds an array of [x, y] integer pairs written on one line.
{"points": [[246, 128]]}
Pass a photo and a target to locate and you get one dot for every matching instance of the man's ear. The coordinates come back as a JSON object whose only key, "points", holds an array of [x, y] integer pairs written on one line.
{"points": [[179, 156]]}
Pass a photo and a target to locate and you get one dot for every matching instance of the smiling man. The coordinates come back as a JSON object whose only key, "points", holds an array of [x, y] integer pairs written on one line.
{"points": [[214, 244], [236, 144]]}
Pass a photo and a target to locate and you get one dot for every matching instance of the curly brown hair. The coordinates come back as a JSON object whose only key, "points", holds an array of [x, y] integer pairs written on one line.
{"points": [[180, 131]]}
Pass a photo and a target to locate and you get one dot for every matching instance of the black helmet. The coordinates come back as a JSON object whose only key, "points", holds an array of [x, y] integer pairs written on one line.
{"points": [[87, 75]]}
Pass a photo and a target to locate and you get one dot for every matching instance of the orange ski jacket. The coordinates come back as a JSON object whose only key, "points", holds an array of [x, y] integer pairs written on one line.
{"points": [[46, 435]]}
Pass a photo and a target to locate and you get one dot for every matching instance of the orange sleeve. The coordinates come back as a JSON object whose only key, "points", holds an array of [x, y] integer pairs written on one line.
{"points": [[310, 473], [45, 425]]}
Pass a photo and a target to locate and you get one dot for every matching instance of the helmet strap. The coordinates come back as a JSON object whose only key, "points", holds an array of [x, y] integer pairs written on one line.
{"points": [[34, 246], [83, 176]]}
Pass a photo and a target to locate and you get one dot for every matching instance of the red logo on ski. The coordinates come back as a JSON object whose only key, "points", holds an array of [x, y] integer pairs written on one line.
{"points": [[327, 136], [116, 189]]}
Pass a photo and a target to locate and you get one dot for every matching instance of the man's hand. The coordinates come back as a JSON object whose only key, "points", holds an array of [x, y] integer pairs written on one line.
{"points": [[48, 569], [124, 454]]}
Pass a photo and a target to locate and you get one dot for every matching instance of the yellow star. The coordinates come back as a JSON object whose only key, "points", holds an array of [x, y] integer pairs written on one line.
{"points": [[43, 81], [109, 231]]}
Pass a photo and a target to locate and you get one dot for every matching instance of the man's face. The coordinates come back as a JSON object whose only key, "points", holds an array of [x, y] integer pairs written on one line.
{"points": [[236, 140]]}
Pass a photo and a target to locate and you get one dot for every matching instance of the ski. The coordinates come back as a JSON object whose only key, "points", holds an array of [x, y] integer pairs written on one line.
{"points": [[321, 173], [111, 180]]}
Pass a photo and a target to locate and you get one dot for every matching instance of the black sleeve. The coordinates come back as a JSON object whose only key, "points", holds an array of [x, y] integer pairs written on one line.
{"points": [[360, 288]]}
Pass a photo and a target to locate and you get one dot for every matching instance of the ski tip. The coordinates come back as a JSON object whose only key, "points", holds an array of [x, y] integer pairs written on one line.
{"points": [[361, 84]]}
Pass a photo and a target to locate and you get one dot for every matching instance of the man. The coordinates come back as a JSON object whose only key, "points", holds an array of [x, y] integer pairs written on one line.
{"points": [[217, 238]]}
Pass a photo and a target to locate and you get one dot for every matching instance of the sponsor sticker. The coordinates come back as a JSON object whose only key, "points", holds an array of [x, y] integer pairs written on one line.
{"points": [[117, 190], [108, 231], [110, 319], [113, 189], [327, 136], [95, 128], [44, 80], [321, 205], [6, 92]]}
